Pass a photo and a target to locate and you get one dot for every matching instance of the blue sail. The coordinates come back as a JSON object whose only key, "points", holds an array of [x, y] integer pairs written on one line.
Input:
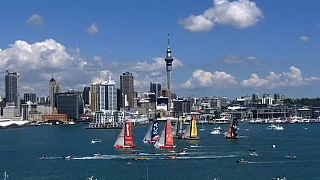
{"points": [[155, 131]]}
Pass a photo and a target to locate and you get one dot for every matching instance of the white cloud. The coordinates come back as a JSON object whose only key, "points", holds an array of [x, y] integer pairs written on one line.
{"points": [[35, 20], [304, 39], [93, 29], [47, 55], [197, 23], [149, 71], [293, 78], [240, 13], [157, 64], [217, 79], [36, 62], [239, 60]]}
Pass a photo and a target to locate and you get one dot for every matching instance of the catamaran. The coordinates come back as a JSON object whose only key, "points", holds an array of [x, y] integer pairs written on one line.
{"points": [[152, 135], [166, 140], [232, 132], [192, 131], [125, 138]]}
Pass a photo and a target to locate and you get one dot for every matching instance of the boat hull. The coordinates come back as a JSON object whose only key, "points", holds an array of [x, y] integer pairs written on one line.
{"points": [[167, 147], [232, 137], [124, 147]]}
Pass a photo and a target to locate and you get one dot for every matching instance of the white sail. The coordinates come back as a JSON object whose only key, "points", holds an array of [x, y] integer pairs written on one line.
{"points": [[161, 141], [187, 132], [120, 139], [175, 129], [147, 137]]}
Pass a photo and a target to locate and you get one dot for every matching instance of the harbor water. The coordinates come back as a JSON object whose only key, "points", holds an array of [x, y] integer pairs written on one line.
{"points": [[40, 153]]}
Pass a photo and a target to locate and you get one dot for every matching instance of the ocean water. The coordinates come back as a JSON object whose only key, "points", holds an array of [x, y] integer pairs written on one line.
{"points": [[215, 156]]}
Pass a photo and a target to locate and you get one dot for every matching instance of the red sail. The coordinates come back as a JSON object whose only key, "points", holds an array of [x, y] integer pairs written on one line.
{"points": [[128, 137], [169, 134]]}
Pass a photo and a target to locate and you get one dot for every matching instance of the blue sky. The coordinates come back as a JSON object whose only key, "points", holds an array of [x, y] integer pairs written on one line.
{"points": [[222, 48]]}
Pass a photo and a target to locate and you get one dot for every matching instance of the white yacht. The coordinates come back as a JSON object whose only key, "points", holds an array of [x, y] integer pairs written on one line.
{"points": [[275, 127], [9, 122], [93, 141], [217, 130]]}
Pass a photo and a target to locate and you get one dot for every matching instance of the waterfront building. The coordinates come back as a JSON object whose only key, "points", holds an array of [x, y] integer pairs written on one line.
{"points": [[55, 117], [70, 103], [127, 89], [12, 90], [27, 109], [32, 97]]}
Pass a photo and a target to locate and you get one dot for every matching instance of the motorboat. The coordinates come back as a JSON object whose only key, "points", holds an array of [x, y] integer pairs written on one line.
{"points": [[275, 127], [254, 154], [93, 141], [217, 130], [279, 178], [183, 153], [242, 161], [291, 156], [92, 178]]}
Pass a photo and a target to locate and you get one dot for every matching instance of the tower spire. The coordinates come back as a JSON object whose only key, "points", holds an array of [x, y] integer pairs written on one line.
{"points": [[168, 48], [168, 40]]}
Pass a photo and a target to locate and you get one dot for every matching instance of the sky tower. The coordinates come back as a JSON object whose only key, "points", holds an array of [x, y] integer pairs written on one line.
{"points": [[169, 60]]}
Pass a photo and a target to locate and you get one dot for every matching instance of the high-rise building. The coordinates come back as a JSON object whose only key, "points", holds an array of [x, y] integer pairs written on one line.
{"points": [[70, 103], [94, 100], [54, 88], [32, 97], [127, 89], [43, 100], [12, 89], [86, 95], [108, 96], [119, 99], [103, 96], [155, 88], [169, 60], [181, 107]]}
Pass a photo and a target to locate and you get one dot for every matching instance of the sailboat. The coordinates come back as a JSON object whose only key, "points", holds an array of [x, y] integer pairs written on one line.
{"points": [[177, 130], [125, 138], [152, 135], [232, 132], [192, 131], [166, 140]]}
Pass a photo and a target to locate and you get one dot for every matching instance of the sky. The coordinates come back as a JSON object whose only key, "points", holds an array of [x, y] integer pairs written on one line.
{"points": [[220, 47]]}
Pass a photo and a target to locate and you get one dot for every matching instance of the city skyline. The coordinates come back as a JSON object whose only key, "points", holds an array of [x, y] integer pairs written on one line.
{"points": [[263, 47]]}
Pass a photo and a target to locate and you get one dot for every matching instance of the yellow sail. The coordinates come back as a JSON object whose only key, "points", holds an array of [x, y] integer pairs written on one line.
{"points": [[194, 129]]}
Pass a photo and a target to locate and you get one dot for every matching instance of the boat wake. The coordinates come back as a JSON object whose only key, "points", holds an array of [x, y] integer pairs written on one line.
{"points": [[144, 156]]}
